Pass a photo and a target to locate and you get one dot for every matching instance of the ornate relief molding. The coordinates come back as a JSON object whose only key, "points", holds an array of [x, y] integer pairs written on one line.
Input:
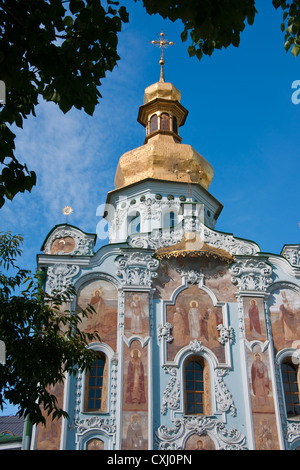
{"points": [[59, 276], [292, 254], [136, 269], [195, 346], [164, 331], [251, 274], [222, 394], [175, 438], [156, 239], [226, 334], [95, 422], [84, 243], [106, 424], [229, 243], [293, 431], [163, 238], [171, 396], [193, 277]]}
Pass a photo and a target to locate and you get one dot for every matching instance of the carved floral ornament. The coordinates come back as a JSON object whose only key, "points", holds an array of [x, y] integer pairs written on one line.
{"points": [[174, 438], [136, 269], [59, 276], [251, 274], [164, 238]]}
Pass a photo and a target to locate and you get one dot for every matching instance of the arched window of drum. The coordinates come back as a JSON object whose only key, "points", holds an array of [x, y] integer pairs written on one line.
{"points": [[194, 386], [174, 125], [290, 378], [165, 122], [134, 223], [95, 398], [169, 219], [153, 123]]}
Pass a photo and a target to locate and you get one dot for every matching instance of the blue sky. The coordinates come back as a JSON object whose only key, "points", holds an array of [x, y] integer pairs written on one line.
{"points": [[241, 119]]}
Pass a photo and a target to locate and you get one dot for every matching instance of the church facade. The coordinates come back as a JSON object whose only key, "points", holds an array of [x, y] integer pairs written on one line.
{"points": [[200, 330]]}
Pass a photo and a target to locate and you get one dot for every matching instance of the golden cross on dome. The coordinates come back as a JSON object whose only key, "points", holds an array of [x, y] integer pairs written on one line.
{"points": [[162, 43]]}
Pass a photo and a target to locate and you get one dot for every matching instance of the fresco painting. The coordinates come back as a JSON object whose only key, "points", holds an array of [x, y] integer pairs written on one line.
{"points": [[262, 400], [135, 397], [194, 317], [95, 444], [62, 245], [284, 312], [265, 432], [103, 297], [136, 314], [255, 327], [48, 437], [216, 276], [135, 432], [202, 442]]}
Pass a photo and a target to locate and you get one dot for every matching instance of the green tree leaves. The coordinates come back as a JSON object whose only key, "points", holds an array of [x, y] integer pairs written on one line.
{"points": [[210, 24], [291, 24], [58, 50], [43, 339]]}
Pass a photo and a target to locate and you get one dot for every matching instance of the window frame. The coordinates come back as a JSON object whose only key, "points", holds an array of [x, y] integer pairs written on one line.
{"points": [[288, 384], [200, 361], [87, 387]]}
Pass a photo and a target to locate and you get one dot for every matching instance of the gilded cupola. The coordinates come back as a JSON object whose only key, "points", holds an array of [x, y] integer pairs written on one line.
{"points": [[163, 156]]}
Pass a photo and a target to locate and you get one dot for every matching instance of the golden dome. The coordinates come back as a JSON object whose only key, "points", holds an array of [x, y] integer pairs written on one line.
{"points": [[161, 90], [163, 156]]}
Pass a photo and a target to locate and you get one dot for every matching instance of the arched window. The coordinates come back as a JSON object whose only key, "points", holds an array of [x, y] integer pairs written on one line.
{"points": [[194, 386], [165, 122], [290, 379], [169, 219], [95, 393], [174, 125], [134, 223], [153, 123]]}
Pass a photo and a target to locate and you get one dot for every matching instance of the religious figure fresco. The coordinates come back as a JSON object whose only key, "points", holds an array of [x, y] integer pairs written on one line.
{"points": [[284, 312], [265, 432], [216, 274], [136, 313], [202, 442], [178, 327], [254, 319], [48, 436], [134, 431], [62, 245], [262, 400], [194, 317], [103, 297], [135, 397], [260, 380], [135, 377], [135, 390], [95, 444]]}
